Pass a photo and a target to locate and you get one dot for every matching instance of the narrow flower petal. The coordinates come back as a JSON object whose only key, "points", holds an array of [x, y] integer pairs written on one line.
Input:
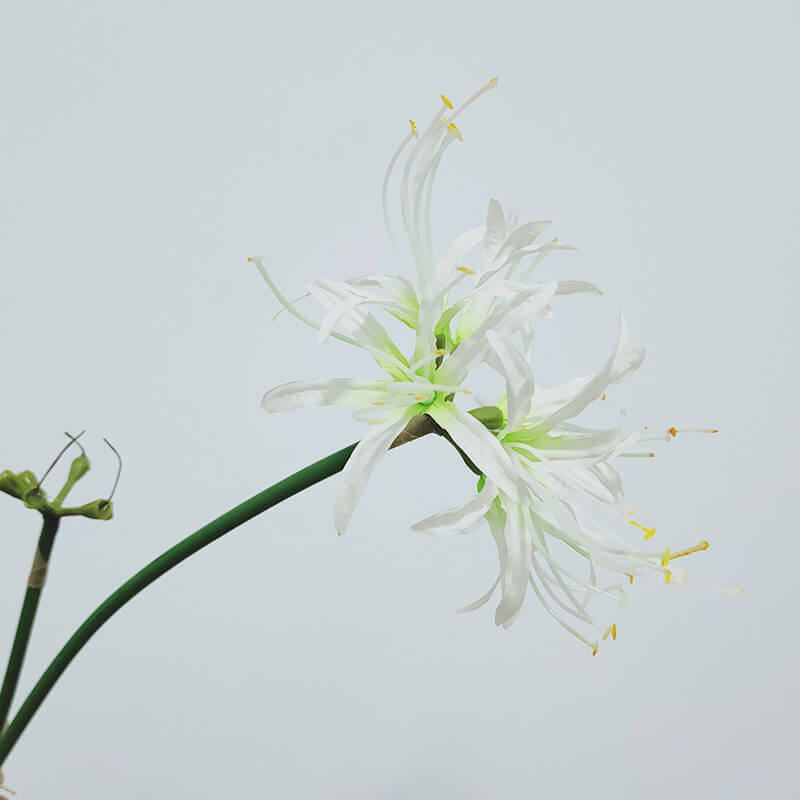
{"points": [[481, 601], [496, 231], [362, 462], [481, 446], [622, 361], [461, 518], [577, 287], [514, 575], [503, 321], [520, 383], [333, 392]]}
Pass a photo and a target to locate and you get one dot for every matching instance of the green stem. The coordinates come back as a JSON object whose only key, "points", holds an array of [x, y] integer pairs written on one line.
{"points": [[282, 490], [27, 615]]}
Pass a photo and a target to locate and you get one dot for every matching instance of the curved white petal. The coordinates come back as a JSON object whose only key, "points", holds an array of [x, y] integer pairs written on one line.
{"points": [[514, 575], [622, 361], [481, 446], [495, 231], [628, 359], [461, 245], [362, 462], [505, 320], [523, 236], [577, 287], [462, 518], [520, 383], [481, 601], [326, 392]]}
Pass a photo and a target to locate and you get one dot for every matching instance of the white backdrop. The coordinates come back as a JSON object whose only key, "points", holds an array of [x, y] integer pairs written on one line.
{"points": [[147, 149]]}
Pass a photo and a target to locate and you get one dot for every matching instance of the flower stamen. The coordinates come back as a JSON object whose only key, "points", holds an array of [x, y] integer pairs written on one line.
{"points": [[454, 128], [673, 431], [649, 533], [700, 546]]}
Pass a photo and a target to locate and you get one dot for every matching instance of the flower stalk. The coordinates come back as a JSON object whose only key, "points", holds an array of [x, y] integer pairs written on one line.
{"points": [[209, 533], [30, 604]]}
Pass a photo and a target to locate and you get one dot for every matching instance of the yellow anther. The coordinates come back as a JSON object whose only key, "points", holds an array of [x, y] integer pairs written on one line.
{"points": [[665, 558], [419, 397], [667, 576], [378, 402], [439, 352], [446, 101], [594, 651], [649, 533], [614, 631], [413, 127], [603, 396], [466, 270], [673, 431], [630, 578], [467, 391], [689, 550], [453, 127], [493, 82]]}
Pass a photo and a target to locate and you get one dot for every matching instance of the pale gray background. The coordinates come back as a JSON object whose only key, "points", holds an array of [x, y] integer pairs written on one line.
{"points": [[148, 148]]}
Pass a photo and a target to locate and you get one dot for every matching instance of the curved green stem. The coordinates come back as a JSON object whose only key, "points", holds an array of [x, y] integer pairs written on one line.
{"points": [[27, 615], [282, 490]]}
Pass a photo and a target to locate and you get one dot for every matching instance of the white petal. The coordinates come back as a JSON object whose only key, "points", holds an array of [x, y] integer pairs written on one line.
{"points": [[628, 359], [461, 245], [519, 379], [505, 321], [327, 392], [515, 573], [577, 287], [361, 463], [462, 518], [483, 449], [622, 361], [495, 230], [523, 236], [481, 601]]}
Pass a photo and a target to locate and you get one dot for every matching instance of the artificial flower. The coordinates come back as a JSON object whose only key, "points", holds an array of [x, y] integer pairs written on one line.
{"points": [[498, 300], [575, 510]]}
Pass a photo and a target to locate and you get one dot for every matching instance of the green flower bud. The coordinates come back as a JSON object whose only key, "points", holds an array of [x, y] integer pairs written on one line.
{"points": [[490, 417], [97, 509]]}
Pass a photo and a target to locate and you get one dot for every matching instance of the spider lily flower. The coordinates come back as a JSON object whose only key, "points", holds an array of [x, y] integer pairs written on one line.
{"points": [[425, 303], [427, 381], [390, 404], [575, 515]]}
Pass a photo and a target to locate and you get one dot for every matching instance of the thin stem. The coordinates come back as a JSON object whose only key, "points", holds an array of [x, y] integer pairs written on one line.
{"points": [[209, 533], [27, 615]]}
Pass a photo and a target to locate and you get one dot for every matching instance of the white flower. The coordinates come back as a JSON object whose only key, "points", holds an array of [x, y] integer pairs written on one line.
{"points": [[575, 510], [427, 381]]}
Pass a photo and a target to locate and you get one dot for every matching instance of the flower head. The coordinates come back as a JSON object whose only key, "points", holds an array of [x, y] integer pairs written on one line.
{"points": [[575, 510], [432, 375]]}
